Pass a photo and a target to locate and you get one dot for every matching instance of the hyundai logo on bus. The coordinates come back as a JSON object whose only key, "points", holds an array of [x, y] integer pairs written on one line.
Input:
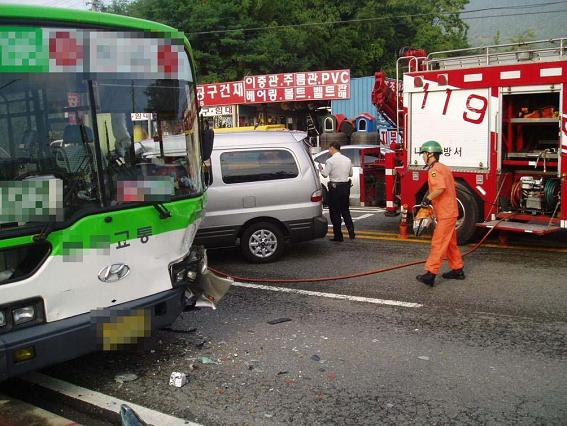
{"points": [[113, 272]]}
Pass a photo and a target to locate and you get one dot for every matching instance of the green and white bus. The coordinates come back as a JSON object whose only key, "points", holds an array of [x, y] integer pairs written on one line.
{"points": [[97, 214]]}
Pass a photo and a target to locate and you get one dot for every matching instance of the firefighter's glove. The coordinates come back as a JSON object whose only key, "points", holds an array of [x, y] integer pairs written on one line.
{"points": [[426, 202]]}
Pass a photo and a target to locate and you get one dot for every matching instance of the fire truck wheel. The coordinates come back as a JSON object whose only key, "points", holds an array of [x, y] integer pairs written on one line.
{"points": [[469, 214], [364, 138]]}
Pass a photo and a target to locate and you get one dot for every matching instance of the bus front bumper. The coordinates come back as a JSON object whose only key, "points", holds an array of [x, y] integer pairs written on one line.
{"points": [[111, 328], [69, 338], [108, 329]]}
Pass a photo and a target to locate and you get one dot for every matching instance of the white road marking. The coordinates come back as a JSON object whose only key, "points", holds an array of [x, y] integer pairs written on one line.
{"points": [[103, 401], [354, 219], [330, 295], [364, 216], [361, 210]]}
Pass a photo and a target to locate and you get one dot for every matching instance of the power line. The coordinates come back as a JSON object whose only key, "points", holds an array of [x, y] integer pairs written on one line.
{"points": [[383, 18], [515, 14]]}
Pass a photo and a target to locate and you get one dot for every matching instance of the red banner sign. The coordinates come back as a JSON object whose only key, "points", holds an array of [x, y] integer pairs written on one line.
{"points": [[213, 94], [288, 87]]}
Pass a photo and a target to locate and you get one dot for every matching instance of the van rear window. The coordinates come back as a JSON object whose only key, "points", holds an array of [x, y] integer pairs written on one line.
{"points": [[254, 166]]}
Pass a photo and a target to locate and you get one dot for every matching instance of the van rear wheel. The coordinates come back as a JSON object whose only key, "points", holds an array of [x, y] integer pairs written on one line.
{"points": [[262, 242]]}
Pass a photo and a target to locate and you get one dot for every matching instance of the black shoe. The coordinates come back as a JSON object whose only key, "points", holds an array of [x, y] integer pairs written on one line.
{"points": [[428, 278], [455, 274], [351, 235], [339, 240]]}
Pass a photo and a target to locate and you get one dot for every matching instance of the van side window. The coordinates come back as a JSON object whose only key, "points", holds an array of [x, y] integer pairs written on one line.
{"points": [[254, 166]]}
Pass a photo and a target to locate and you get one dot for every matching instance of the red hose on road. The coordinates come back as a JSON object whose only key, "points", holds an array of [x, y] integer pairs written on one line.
{"points": [[341, 277]]}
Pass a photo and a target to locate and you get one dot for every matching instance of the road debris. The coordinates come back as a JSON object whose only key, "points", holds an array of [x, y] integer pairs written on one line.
{"points": [[178, 379], [316, 358], [278, 321], [125, 377], [252, 364], [176, 330], [199, 343], [206, 360], [423, 358]]}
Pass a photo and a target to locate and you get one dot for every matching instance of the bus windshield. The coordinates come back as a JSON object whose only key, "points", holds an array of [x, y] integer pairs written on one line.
{"points": [[107, 120]]}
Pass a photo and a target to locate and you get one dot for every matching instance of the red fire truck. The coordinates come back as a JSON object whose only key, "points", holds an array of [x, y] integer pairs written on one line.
{"points": [[501, 116]]}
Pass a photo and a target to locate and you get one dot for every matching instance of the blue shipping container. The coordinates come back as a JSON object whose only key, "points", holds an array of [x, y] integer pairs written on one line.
{"points": [[359, 102]]}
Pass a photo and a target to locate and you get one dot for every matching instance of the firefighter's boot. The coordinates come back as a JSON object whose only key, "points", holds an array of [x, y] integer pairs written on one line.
{"points": [[428, 279], [454, 274]]}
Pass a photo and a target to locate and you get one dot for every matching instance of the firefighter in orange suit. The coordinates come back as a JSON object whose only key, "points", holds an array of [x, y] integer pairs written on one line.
{"points": [[443, 196]]}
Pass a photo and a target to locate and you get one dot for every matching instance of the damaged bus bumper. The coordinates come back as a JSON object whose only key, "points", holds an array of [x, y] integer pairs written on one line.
{"points": [[203, 288], [112, 328]]}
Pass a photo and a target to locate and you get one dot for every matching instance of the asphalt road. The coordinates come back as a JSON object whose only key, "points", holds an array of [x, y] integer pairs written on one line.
{"points": [[487, 350]]}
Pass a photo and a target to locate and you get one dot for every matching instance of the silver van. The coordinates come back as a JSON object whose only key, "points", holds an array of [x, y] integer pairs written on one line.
{"points": [[264, 192]]}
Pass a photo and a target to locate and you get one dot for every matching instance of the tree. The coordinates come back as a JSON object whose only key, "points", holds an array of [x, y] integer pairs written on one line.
{"points": [[523, 37], [232, 38], [119, 7]]}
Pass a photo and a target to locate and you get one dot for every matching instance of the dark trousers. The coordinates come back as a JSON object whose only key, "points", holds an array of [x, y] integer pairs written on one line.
{"points": [[339, 194]]}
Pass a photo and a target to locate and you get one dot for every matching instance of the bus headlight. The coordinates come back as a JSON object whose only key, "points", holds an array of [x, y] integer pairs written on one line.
{"points": [[187, 270], [23, 314]]}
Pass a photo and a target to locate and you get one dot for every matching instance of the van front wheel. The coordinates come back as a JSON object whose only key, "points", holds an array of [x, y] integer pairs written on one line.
{"points": [[262, 242]]}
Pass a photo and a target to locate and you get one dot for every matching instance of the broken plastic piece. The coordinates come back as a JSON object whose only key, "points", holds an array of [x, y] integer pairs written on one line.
{"points": [[178, 379], [206, 360]]}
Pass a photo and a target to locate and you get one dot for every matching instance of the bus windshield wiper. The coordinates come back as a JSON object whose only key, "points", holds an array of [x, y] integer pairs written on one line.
{"points": [[44, 232], [164, 213]]}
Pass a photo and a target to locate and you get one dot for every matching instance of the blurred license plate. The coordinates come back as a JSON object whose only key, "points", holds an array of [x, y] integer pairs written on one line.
{"points": [[124, 329]]}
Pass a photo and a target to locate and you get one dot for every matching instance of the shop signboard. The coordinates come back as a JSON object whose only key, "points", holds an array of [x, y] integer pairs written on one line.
{"points": [[230, 93], [285, 87], [216, 111]]}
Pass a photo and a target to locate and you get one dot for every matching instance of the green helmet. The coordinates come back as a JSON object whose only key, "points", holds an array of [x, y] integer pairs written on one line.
{"points": [[431, 146]]}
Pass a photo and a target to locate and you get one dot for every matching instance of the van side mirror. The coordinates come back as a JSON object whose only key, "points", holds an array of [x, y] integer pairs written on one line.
{"points": [[207, 140]]}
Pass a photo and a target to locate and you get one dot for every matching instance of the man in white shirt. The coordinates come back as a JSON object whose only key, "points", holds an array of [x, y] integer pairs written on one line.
{"points": [[339, 170]]}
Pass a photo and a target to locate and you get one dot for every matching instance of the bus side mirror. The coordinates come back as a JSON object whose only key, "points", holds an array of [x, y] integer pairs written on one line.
{"points": [[207, 139]]}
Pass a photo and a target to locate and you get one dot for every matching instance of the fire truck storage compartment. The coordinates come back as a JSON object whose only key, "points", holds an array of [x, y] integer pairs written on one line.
{"points": [[529, 154]]}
